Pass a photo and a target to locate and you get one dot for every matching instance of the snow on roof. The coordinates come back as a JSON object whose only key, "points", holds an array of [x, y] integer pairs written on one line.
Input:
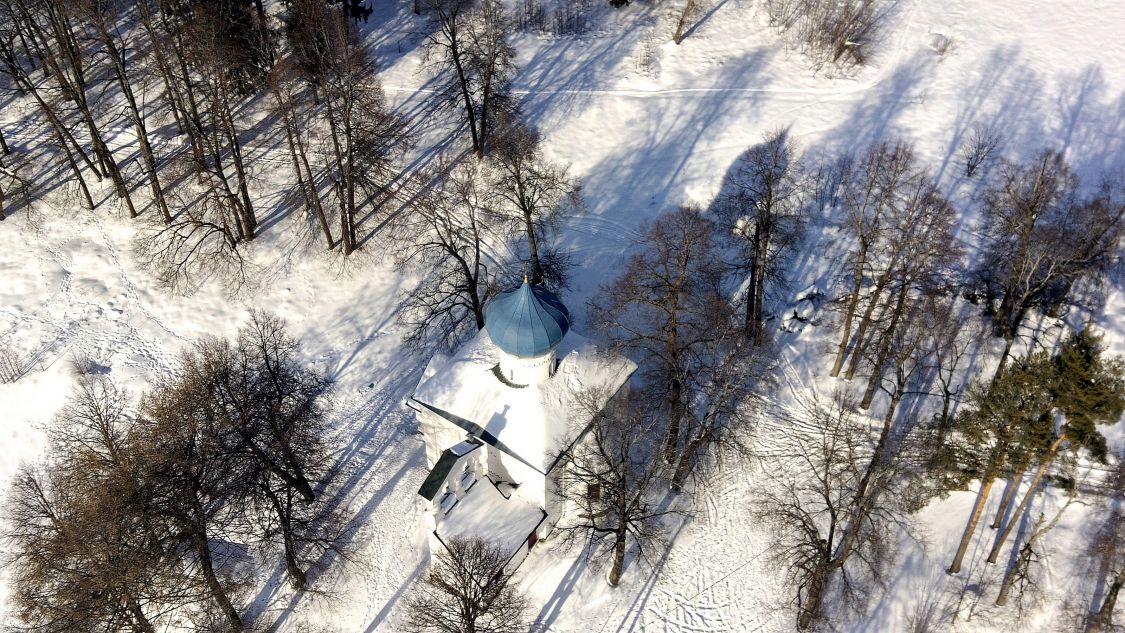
{"points": [[528, 422], [486, 514]]}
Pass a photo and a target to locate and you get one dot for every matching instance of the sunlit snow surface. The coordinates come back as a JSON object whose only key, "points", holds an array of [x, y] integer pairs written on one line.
{"points": [[647, 125]]}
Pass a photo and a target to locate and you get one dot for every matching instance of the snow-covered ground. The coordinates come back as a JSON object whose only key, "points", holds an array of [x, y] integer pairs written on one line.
{"points": [[647, 125]]}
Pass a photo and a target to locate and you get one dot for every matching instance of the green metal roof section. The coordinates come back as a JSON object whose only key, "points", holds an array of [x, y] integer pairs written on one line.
{"points": [[440, 472]]}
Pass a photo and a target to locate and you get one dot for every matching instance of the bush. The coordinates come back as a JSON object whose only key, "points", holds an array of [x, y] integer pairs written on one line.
{"points": [[14, 364]]}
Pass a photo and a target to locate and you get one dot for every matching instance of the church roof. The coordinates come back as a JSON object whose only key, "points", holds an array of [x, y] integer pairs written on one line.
{"points": [[527, 321], [528, 422], [440, 471]]}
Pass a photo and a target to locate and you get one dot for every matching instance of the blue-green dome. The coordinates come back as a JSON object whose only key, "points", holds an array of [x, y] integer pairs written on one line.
{"points": [[527, 321]]}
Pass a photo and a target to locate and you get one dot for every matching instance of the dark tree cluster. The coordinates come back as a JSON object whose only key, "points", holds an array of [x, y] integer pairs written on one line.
{"points": [[845, 489], [135, 517], [187, 76], [184, 77]]}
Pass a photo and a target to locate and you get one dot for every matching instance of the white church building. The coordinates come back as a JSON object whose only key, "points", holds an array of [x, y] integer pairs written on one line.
{"points": [[496, 416]]}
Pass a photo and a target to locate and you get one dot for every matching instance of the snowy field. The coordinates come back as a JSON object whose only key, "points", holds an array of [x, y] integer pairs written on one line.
{"points": [[647, 125]]}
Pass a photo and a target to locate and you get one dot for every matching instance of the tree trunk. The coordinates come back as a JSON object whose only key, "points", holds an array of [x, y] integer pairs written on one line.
{"points": [[227, 120], [752, 326], [978, 508], [218, 593], [284, 510], [66, 139], [533, 249], [140, 620], [864, 323], [1007, 353], [1032, 487], [687, 461], [1102, 622], [864, 498], [682, 24], [618, 558], [341, 154], [1010, 577], [810, 607], [849, 314], [672, 439], [175, 100], [884, 349], [463, 82], [1010, 493], [117, 59], [306, 182]]}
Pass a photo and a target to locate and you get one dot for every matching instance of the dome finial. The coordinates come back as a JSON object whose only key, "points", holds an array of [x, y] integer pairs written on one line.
{"points": [[525, 272]]}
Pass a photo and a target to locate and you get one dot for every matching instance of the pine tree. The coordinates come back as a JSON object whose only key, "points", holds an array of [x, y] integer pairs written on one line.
{"points": [[1088, 390], [993, 420]]}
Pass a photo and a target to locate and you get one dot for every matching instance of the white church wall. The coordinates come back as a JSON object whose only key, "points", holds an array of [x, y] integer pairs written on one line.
{"points": [[531, 482], [527, 371], [437, 434]]}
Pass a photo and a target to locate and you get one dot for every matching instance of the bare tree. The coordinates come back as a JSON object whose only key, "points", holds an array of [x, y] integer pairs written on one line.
{"points": [[663, 307], [531, 195], [609, 477], [869, 191], [978, 147], [56, 27], [467, 591], [833, 505], [724, 386], [840, 34], [193, 482], [1042, 241], [444, 232], [268, 407], [14, 364], [221, 52], [763, 206], [291, 106], [469, 43], [364, 139], [82, 549], [16, 60], [953, 338], [922, 259], [1108, 549], [101, 19]]}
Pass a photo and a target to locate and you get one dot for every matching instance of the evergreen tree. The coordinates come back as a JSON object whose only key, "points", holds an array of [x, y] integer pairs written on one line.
{"points": [[994, 418], [1087, 390]]}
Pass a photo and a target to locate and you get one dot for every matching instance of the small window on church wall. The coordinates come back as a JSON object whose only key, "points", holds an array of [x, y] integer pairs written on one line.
{"points": [[594, 492]]}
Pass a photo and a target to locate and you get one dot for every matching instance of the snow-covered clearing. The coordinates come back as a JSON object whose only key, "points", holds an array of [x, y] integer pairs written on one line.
{"points": [[647, 125]]}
